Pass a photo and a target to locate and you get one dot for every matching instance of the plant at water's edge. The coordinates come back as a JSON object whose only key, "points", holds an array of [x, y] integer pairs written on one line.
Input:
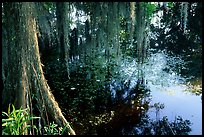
{"points": [[15, 119], [13, 124], [53, 129]]}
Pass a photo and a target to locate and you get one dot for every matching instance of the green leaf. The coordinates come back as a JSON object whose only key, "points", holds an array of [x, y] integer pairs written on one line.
{"points": [[6, 120], [4, 113], [9, 110]]}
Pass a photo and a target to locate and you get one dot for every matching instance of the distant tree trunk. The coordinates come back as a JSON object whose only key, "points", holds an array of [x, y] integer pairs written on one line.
{"points": [[44, 26], [62, 10], [109, 41], [25, 74], [140, 28], [115, 29], [4, 51], [141, 35], [73, 44], [88, 39]]}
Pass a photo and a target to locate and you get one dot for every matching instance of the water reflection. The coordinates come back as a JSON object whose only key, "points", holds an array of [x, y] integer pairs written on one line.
{"points": [[128, 110], [126, 105], [132, 117], [178, 103], [168, 87]]}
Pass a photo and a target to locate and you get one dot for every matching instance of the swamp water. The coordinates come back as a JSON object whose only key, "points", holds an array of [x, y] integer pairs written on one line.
{"points": [[164, 104], [167, 88], [170, 89]]}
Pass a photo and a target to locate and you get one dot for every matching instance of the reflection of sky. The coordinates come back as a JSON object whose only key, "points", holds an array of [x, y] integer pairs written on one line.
{"points": [[178, 103], [76, 19], [168, 88]]}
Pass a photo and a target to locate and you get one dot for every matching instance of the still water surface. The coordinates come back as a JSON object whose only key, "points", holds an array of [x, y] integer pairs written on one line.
{"points": [[178, 103], [168, 88]]}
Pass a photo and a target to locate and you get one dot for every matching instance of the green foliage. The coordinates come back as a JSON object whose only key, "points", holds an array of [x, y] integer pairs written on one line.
{"points": [[13, 124], [49, 6], [186, 45], [170, 4], [53, 129], [150, 9], [15, 119], [123, 35]]}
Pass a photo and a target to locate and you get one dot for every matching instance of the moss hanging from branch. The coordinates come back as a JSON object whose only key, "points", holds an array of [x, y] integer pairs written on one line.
{"points": [[132, 16], [184, 15]]}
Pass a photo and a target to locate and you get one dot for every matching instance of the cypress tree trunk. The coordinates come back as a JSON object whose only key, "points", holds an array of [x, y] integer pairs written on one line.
{"points": [[140, 27], [63, 32], [25, 74]]}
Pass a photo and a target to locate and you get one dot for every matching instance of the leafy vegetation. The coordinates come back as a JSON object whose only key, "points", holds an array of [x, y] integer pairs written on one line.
{"points": [[14, 120]]}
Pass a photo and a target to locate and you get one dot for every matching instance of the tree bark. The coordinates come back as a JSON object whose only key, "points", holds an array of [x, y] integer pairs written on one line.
{"points": [[63, 32], [25, 74]]}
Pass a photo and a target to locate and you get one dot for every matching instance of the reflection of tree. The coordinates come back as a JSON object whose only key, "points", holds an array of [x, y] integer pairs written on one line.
{"points": [[158, 107], [159, 126], [130, 116], [162, 127], [129, 105]]}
